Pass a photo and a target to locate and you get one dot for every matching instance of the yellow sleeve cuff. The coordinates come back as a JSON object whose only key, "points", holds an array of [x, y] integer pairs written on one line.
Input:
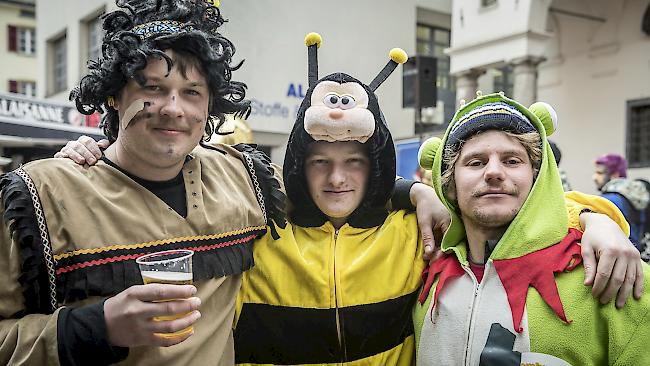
{"points": [[577, 202]]}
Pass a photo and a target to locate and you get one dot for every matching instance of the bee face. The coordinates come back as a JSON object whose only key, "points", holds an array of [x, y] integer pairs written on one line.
{"points": [[339, 112]]}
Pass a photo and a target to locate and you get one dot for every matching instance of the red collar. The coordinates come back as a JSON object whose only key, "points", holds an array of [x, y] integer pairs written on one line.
{"points": [[536, 269]]}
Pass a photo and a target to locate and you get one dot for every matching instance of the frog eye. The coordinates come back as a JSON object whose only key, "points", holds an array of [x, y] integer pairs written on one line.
{"points": [[347, 102], [332, 100]]}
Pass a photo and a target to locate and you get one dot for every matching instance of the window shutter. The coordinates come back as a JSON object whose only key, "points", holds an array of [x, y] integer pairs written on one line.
{"points": [[12, 41], [13, 86]]}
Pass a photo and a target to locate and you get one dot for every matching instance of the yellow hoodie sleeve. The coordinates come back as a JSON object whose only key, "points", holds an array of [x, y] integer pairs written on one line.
{"points": [[577, 202]]}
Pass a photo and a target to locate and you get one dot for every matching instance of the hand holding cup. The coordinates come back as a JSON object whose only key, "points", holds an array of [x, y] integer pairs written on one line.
{"points": [[159, 313]]}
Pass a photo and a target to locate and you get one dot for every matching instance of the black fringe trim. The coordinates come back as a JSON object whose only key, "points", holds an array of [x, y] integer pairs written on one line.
{"points": [[20, 217], [107, 273], [275, 200]]}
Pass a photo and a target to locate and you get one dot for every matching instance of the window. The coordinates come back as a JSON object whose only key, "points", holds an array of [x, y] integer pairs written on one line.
{"points": [[27, 13], [432, 41], [95, 34], [504, 80], [27, 41], [22, 40], [59, 65], [638, 133], [27, 88]]}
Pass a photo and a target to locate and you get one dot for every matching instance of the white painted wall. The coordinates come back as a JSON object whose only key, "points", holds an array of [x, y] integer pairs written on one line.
{"points": [[357, 36], [487, 36], [593, 69]]}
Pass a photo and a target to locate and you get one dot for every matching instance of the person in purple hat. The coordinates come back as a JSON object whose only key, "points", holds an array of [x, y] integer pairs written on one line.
{"points": [[630, 196]]}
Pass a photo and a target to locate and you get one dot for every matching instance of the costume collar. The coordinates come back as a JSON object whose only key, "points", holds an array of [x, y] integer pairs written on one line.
{"points": [[536, 269]]}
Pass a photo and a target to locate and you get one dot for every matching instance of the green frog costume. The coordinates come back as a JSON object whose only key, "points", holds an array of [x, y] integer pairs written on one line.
{"points": [[530, 307]]}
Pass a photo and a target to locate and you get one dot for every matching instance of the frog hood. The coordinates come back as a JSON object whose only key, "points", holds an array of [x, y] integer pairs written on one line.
{"points": [[542, 220]]}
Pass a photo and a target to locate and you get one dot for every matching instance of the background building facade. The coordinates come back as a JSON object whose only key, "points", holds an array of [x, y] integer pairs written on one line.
{"points": [[30, 126], [588, 58], [18, 45]]}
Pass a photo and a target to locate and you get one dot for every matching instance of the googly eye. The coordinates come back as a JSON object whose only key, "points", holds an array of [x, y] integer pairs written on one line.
{"points": [[347, 102], [332, 100]]}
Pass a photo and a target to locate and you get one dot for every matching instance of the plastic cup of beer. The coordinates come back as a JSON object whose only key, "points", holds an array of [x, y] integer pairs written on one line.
{"points": [[169, 267]]}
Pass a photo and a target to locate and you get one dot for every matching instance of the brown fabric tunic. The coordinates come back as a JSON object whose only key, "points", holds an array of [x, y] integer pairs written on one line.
{"points": [[97, 221]]}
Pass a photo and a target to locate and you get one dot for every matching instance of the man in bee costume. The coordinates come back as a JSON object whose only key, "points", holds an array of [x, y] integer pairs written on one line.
{"points": [[70, 290], [510, 290], [339, 284]]}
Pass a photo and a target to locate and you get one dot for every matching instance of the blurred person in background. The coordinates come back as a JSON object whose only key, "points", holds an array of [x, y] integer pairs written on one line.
{"points": [[557, 154], [422, 176], [234, 131], [645, 230], [630, 196]]}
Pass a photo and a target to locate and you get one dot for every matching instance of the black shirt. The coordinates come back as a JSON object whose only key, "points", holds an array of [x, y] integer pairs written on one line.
{"points": [[172, 191]]}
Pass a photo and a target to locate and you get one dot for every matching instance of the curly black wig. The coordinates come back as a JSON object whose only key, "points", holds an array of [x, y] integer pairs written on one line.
{"points": [[125, 54], [381, 181]]}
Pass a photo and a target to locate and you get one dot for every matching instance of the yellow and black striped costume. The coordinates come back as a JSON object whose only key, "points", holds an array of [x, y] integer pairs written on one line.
{"points": [[316, 296]]}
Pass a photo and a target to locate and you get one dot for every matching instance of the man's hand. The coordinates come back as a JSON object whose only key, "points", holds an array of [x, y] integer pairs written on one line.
{"points": [[83, 151], [432, 217], [129, 314], [619, 262]]}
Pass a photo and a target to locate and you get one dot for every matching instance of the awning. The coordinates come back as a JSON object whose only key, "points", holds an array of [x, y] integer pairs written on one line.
{"points": [[30, 121]]}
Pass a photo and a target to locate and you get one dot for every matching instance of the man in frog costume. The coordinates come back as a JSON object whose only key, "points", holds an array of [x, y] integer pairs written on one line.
{"points": [[510, 290]]}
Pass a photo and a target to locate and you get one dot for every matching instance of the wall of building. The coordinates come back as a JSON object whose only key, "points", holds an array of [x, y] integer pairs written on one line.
{"points": [[15, 66], [56, 18], [484, 36], [593, 69], [357, 36], [440, 6]]}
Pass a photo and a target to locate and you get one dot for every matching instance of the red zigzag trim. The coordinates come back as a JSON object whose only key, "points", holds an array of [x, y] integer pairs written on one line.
{"points": [[120, 258]]}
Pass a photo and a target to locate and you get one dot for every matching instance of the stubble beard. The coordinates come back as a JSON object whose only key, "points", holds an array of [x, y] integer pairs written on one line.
{"points": [[491, 220]]}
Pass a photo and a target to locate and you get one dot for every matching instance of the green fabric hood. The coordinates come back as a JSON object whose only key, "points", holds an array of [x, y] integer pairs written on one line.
{"points": [[542, 220]]}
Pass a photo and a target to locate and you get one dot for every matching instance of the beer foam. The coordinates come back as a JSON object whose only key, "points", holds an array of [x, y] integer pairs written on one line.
{"points": [[167, 276]]}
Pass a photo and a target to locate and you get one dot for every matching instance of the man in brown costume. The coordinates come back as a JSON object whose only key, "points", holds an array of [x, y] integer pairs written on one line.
{"points": [[70, 290]]}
